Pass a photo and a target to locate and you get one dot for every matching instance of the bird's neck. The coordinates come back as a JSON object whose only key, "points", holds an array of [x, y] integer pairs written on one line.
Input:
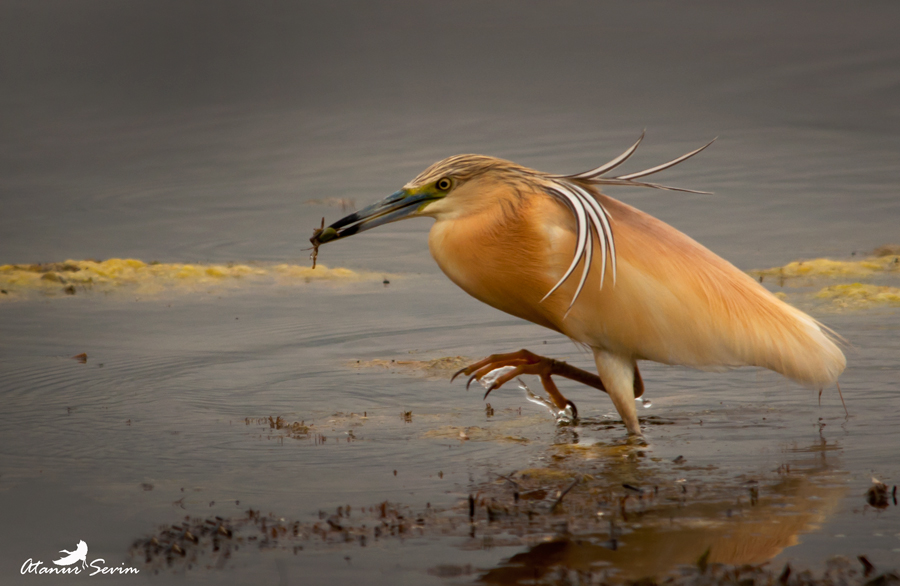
{"points": [[490, 255]]}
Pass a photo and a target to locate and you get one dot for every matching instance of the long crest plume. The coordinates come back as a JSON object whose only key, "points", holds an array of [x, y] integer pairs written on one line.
{"points": [[591, 217]]}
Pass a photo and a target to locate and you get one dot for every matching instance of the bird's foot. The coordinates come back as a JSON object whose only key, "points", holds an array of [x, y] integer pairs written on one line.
{"points": [[522, 362]]}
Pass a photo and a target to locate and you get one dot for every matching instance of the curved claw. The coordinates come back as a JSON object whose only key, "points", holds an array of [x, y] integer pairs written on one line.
{"points": [[458, 372], [574, 409], [490, 388], [525, 362]]}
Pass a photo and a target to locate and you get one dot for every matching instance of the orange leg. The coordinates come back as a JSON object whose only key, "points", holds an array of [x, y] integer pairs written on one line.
{"points": [[525, 362]]}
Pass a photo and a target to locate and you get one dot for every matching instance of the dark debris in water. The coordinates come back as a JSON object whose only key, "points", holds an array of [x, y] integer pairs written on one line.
{"points": [[839, 571], [880, 496], [294, 429], [276, 427], [211, 542], [588, 513], [600, 514], [550, 559]]}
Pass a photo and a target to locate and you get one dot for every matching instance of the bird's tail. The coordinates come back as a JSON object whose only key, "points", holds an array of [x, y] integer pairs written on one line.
{"points": [[816, 360], [784, 339]]}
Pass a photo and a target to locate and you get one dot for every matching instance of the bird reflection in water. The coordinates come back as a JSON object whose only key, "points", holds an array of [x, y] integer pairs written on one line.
{"points": [[739, 522]]}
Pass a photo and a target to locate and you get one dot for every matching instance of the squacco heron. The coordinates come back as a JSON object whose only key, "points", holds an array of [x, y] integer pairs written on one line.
{"points": [[554, 250]]}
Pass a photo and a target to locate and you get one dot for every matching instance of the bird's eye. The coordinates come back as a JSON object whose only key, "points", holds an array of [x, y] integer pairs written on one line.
{"points": [[444, 184]]}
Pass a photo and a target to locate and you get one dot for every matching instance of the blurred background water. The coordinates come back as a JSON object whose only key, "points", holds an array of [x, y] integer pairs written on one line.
{"points": [[201, 132]]}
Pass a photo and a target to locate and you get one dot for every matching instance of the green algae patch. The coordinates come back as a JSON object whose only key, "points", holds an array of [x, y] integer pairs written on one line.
{"points": [[141, 278], [859, 295], [828, 268]]}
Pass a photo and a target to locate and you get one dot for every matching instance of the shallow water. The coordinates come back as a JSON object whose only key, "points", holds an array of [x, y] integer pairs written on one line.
{"points": [[208, 148]]}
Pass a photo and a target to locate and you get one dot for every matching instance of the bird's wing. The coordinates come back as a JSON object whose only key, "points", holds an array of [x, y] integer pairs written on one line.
{"points": [[676, 302]]}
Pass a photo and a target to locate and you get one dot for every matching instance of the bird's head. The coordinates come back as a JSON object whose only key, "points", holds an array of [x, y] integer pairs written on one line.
{"points": [[464, 184], [447, 188]]}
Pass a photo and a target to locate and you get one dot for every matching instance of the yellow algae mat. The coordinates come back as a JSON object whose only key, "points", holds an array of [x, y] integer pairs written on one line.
{"points": [[141, 278], [127, 275], [855, 295], [858, 293], [824, 267]]}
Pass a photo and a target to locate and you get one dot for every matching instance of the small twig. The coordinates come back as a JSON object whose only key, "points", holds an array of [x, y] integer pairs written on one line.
{"points": [[703, 561], [785, 574], [867, 565], [564, 493], [509, 480]]}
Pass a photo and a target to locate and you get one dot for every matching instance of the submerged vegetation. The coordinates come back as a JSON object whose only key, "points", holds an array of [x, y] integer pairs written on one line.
{"points": [[582, 513]]}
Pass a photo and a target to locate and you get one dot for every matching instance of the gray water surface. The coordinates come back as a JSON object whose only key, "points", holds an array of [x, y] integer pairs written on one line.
{"points": [[187, 132]]}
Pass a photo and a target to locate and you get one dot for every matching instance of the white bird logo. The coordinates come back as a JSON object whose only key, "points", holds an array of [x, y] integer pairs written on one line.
{"points": [[80, 554]]}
